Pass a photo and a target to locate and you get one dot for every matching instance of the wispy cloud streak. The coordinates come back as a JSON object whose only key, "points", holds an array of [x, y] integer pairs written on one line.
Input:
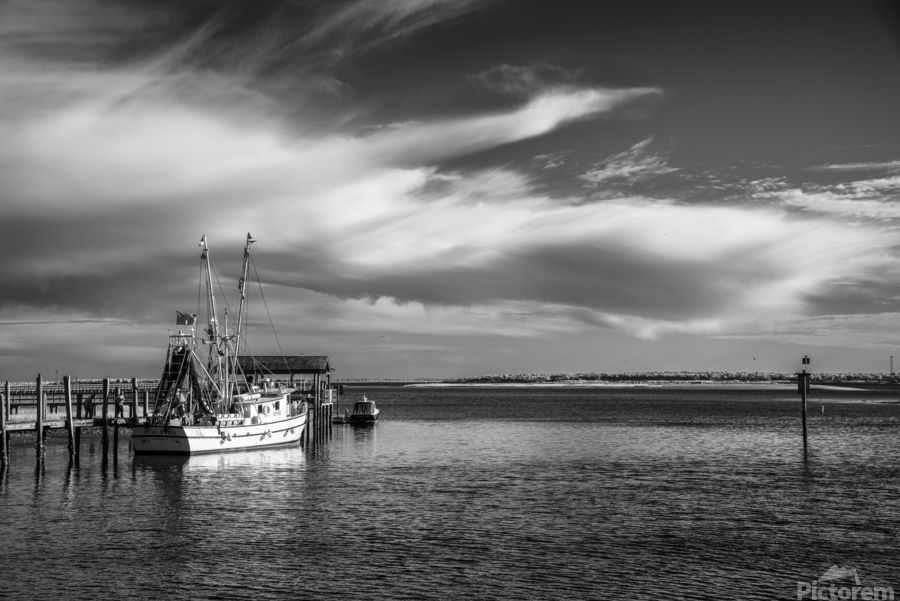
{"points": [[860, 166], [364, 24], [637, 164]]}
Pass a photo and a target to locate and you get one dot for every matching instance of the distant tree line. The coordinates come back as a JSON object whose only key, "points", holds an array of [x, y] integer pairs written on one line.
{"points": [[678, 376]]}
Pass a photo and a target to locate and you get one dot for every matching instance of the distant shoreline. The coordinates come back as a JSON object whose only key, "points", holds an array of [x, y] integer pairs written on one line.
{"points": [[589, 384], [674, 384]]}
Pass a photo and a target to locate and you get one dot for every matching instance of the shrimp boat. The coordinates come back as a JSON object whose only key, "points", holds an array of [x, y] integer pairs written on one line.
{"points": [[206, 404]]}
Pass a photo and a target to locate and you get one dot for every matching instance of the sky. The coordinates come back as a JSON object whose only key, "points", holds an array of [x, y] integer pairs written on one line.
{"points": [[452, 188]]}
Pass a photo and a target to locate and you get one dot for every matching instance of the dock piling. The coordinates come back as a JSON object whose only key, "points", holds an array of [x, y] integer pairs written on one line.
{"points": [[803, 385], [134, 401], [69, 423], [310, 419], [4, 439], [39, 418], [120, 406], [804, 393], [105, 414]]}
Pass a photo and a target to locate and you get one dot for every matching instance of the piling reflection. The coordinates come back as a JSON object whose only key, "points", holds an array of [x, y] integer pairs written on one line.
{"points": [[70, 484], [70, 471], [39, 471]]}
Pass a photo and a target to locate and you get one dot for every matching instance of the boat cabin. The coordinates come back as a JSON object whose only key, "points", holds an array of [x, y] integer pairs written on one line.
{"points": [[364, 411], [364, 408]]}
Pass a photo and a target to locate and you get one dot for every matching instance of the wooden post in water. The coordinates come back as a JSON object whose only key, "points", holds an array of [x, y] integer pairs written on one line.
{"points": [[320, 393], [105, 439], [79, 413], [4, 440], [314, 412], [69, 423], [119, 403], [308, 432], [39, 418], [310, 425], [310, 419], [134, 401], [803, 380], [8, 399]]}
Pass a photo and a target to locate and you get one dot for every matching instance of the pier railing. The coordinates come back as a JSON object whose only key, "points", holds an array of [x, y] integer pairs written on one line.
{"points": [[79, 398], [130, 396]]}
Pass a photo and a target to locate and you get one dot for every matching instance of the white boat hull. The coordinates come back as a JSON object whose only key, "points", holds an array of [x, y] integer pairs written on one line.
{"points": [[190, 440]]}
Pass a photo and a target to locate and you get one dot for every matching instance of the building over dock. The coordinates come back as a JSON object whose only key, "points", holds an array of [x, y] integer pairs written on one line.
{"points": [[309, 373]]}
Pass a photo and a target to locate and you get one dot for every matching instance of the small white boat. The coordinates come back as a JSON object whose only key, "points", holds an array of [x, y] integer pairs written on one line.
{"points": [[364, 412], [207, 405]]}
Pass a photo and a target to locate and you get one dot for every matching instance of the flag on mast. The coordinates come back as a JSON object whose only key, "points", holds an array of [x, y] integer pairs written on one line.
{"points": [[185, 319]]}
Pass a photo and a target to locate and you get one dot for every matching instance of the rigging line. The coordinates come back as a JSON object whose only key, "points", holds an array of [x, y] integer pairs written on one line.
{"points": [[224, 297], [257, 364], [269, 315], [241, 338], [199, 291], [218, 283], [238, 368], [209, 378]]}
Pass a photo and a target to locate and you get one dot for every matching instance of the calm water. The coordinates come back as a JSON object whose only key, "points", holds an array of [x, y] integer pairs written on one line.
{"points": [[485, 493]]}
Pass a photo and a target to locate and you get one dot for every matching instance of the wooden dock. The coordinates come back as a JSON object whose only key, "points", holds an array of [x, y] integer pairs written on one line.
{"points": [[121, 403], [318, 425]]}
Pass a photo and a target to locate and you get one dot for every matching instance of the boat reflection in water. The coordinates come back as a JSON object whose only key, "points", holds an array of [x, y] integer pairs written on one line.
{"points": [[251, 463]]}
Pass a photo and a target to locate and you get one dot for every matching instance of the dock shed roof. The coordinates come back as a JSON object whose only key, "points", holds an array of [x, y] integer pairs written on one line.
{"points": [[289, 364]]}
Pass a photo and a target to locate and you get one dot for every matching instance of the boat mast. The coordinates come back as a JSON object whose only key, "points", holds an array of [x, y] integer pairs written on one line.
{"points": [[212, 330], [226, 393], [242, 286]]}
